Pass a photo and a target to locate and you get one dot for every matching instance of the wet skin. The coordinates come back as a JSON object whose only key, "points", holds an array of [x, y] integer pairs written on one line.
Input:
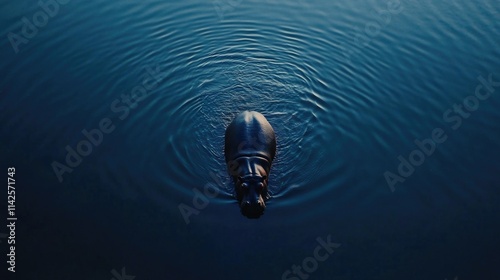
{"points": [[250, 147]]}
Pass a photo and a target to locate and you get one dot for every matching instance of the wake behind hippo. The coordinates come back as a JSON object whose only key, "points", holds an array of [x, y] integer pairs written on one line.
{"points": [[250, 147]]}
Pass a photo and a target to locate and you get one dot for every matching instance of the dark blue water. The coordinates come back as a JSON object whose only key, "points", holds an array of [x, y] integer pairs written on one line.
{"points": [[387, 116]]}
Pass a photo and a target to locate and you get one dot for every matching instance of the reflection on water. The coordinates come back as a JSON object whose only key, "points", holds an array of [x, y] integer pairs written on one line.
{"points": [[131, 99]]}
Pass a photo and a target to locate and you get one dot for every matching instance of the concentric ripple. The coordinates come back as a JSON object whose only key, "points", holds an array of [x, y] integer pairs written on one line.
{"points": [[248, 75]]}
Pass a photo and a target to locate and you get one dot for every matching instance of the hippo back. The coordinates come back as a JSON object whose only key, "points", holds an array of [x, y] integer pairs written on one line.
{"points": [[250, 134]]}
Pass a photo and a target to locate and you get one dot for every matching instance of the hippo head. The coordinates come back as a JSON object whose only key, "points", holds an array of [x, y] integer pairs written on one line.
{"points": [[250, 191]]}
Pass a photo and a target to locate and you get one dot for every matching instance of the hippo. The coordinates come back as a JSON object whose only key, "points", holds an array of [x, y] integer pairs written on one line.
{"points": [[249, 150]]}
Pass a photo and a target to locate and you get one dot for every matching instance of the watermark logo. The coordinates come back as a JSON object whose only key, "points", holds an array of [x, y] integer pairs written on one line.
{"points": [[94, 137], [225, 6], [454, 117], [201, 200], [48, 9], [373, 28], [310, 264], [121, 276]]}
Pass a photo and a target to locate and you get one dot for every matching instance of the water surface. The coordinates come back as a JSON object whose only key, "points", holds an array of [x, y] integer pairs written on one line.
{"points": [[348, 87]]}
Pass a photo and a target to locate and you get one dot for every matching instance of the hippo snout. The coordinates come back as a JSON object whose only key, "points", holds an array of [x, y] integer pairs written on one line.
{"points": [[253, 209]]}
